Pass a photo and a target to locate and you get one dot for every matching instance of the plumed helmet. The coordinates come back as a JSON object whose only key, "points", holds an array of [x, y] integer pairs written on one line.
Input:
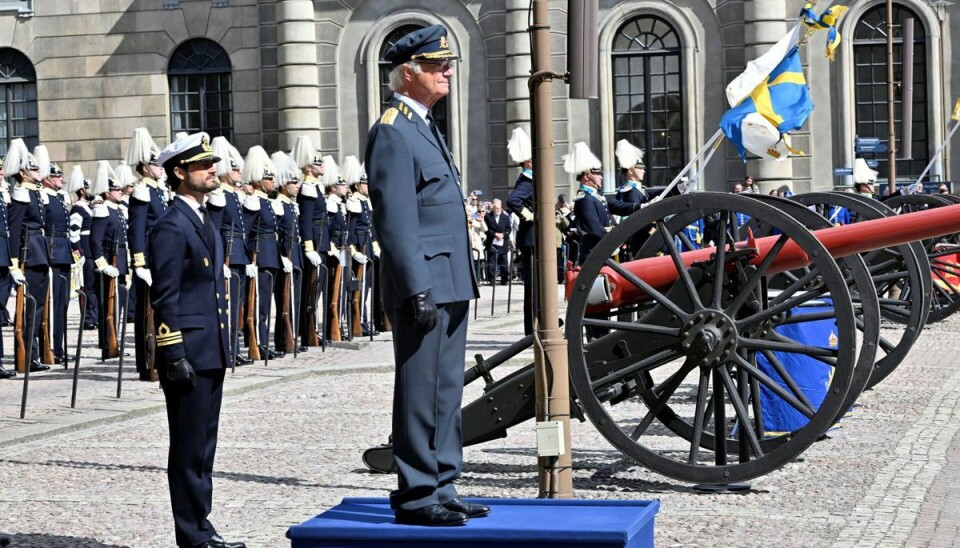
{"points": [[519, 146]]}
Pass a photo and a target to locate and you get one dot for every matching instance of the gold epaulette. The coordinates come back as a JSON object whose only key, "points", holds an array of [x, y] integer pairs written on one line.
{"points": [[389, 116], [405, 110]]}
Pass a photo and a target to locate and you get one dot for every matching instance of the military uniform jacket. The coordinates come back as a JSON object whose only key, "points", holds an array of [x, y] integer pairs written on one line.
{"points": [[336, 221], [260, 218], [146, 205], [313, 216], [81, 219], [5, 247], [26, 225], [418, 209], [360, 227], [520, 198], [57, 228], [108, 235], [188, 292], [232, 228], [631, 194], [289, 229]]}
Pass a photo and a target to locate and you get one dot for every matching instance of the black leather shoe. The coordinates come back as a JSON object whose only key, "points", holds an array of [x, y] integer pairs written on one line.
{"points": [[5, 374], [37, 367], [89, 326], [433, 515], [302, 349], [218, 542], [243, 360], [471, 509], [273, 353]]}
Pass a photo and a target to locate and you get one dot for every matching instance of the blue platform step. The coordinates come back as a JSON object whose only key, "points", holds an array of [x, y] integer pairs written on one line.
{"points": [[368, 522]]}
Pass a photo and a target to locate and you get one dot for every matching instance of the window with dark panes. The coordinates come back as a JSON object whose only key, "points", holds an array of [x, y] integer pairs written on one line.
{"points": [[200, 96], [18, 100], [440, 114], [648, 94], [870, 80]]}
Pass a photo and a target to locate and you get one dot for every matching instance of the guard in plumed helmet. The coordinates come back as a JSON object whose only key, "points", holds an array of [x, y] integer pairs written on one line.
{"points": [[336, 193], [633, 170], [5, 280], [57, 229], [225, 205], [261, 215], [314, 235], [361, 241], [189, 300], [32, 261], [81, 222], [146, 205], [288, 231], [521, 202], [591, 208], [108, 242]]}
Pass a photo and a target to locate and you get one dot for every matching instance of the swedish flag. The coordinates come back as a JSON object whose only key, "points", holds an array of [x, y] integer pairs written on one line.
{"points": [[780, 104]]}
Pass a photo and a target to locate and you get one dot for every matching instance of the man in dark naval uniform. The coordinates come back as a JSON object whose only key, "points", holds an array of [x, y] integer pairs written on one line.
{"points": [[29, 259], [427, 278], [521, 202], [188, 295]]}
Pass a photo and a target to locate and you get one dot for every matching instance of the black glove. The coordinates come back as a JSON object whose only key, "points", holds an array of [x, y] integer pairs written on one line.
{"points": [[181, 371], [424, 311]]}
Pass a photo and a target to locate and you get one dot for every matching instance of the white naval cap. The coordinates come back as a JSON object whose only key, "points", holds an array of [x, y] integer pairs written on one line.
{"points": [[187, 150]]}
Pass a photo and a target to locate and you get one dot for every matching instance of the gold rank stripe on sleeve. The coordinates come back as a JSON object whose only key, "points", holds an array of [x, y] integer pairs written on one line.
{"points": [[165, 337], [389, 116], [139, 260]]}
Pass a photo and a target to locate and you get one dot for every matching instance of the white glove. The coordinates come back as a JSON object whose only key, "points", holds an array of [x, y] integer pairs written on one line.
{"points": [[287, 264], [526, 214], [226, 272], [313, 257], [110, 270], [360, 257], [376, 250], [144, 274], [18, 277], [333, 251], [251, 270]]}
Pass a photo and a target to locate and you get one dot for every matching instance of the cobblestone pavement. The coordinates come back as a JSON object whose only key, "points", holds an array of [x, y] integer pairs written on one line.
{"points": [[292, 434]]}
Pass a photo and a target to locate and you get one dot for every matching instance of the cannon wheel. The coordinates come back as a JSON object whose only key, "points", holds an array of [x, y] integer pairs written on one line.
{"points": [[945, 297], [684, 327], [900, 274]]}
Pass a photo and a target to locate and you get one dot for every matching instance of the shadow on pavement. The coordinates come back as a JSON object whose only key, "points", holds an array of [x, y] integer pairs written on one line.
{"points": [[31, 540]]}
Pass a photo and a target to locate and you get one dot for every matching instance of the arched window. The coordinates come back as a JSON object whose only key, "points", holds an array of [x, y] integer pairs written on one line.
{"points": [[18, 100], [648, 94], [440, 114], [200, 98], [870, 79]]}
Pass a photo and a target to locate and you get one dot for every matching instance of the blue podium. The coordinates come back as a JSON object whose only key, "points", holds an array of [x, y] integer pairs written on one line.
{"points": [[368, 522]]}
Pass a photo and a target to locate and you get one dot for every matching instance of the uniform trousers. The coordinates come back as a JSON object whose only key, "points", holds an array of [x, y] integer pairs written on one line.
{"points": [[142, 349], [529, 284], [238, 296], [37, 283], [280, 328], [312, 306], [266, 278], [5, 288], [428, 389], [193, 415], [89, 289], [59, 299]]}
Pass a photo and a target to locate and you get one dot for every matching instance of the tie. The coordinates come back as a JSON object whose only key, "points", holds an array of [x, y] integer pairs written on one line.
{"points": [[436, 135], [208, 234]]}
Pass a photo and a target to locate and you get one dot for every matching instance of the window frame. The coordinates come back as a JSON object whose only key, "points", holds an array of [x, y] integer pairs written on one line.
{"points": [[200, 69]]}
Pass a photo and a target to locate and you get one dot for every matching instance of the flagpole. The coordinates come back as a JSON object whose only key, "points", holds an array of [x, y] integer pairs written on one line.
{"points": [[891, 126], [937, 153], [710, 142]]}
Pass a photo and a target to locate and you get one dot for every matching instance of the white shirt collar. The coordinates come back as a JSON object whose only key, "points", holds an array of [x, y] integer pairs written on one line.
{"points": [[193, 205], [415, 105]]}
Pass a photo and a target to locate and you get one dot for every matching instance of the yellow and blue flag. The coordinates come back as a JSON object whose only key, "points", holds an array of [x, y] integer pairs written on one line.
{"points": [[826, 21], [779, 104]]}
